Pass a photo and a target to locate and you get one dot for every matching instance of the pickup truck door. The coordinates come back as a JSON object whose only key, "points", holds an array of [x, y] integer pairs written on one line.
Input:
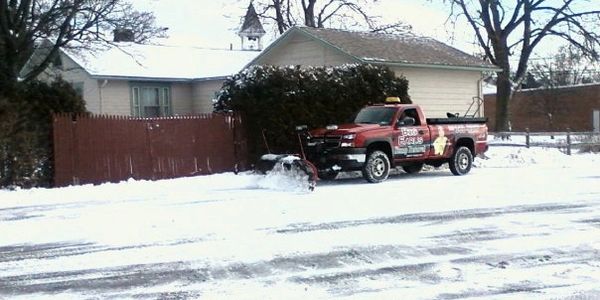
{"points": [[411, 141]]}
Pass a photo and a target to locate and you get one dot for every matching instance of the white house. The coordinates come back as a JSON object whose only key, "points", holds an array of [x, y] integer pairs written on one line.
{"points": [[441, 78], [126, 78], [150, 80]]}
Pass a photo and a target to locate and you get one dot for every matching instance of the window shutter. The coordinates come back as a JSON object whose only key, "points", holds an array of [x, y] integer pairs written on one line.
{"points": [[166, 102], [136, 102]]}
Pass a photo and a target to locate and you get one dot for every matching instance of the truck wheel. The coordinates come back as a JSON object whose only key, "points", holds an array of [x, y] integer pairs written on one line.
{"points": [[413, 169], [377, 167], [461, 161], [328, 175]]}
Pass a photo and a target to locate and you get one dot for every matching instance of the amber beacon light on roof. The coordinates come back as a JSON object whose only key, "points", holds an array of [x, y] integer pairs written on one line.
{"points": [[395, 100]]}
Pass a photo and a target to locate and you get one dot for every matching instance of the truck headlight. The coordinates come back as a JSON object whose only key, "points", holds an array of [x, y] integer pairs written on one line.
{"points": [[347, 140]]}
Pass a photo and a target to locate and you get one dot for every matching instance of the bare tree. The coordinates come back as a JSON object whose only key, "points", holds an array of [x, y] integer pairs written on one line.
{"points": [[324, 13], [141, 24], [26, 24], [567, 67], [514, 28]]}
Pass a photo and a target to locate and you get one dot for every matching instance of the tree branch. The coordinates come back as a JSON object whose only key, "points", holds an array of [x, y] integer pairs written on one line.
{"points": [[474, 25]]}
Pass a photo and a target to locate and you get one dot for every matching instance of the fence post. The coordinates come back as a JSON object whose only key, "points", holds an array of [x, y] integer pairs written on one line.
{"points": [[527, 137], [74, 124], [568, 141]]}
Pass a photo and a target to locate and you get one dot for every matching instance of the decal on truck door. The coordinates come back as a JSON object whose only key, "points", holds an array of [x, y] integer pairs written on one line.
{"points": [[411, 139], [410, 142], [440, 143]]}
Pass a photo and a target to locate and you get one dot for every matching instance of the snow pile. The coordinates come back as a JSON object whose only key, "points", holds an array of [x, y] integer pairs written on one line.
{"points": [[511, 157], [495, 157], [283, 179], [514, 157]]}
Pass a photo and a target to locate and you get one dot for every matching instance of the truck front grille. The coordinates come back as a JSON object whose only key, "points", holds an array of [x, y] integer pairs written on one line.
{"points": [[332, 141], [327, 142]]}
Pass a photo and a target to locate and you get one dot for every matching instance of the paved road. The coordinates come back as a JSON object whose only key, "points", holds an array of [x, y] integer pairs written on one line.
{"points": [[542, 250]]}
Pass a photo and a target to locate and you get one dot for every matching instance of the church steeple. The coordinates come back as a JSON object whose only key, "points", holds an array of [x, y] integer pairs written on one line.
{"points": [[252, 30]]}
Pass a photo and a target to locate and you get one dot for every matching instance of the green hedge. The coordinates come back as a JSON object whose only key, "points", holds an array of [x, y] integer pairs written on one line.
{"points": [[276, 99], [26, 130]]}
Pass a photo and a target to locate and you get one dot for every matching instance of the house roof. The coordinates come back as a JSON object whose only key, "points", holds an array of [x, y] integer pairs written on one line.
{"points": [[158, 62], [252, 24], [391, 49]]}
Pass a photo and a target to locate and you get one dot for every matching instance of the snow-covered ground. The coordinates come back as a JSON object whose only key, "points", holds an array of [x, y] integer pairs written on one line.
{"points": [[525, 223]]}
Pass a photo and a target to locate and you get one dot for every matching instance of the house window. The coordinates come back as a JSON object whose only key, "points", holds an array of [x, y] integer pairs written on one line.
{"points": [[151, 101]]}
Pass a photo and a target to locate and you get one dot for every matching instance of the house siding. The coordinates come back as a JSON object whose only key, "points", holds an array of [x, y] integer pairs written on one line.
{"points": [[439, 91], [302, 50], [203, 94], [73, 73], [115, 97], [181, 97]]}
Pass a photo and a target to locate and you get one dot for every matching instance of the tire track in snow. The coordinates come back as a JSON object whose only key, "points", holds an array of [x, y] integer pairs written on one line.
{"points": [[146, 275], [340, 272], [438, 217]]}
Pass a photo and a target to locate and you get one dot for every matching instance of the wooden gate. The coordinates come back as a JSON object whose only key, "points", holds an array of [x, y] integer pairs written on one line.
{"points": [[98, 149]]}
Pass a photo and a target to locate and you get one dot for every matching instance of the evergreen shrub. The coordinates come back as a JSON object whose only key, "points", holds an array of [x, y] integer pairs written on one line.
{"points": [[26, 148], [274, 100]]}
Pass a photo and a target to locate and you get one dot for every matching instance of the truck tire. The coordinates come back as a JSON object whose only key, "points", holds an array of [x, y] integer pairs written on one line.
{"points": [[413, 169], [377, 167], [461, 161]]}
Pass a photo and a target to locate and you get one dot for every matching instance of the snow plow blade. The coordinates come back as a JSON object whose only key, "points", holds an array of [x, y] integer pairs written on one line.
{"points": [[290, 166]]}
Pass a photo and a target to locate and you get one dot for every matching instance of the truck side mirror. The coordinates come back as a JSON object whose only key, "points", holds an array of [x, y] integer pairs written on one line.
{"points": [[407, 121]]}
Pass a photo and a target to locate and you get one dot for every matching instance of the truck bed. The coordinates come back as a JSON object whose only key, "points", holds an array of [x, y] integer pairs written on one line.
{"points": [[457, 120]]}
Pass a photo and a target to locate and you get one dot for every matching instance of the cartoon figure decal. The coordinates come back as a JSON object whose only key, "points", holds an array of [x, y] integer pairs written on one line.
{"points": [[439, 145]]}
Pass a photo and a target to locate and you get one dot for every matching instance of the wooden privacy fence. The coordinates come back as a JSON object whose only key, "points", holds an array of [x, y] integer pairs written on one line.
{"points": [[97, 149]]}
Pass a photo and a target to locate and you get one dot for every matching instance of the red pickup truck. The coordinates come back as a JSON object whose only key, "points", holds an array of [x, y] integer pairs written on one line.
{"points": [[393, 135]]}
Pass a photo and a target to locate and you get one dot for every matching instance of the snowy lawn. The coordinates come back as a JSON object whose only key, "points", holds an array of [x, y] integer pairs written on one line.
{"points": [[525, 223]]}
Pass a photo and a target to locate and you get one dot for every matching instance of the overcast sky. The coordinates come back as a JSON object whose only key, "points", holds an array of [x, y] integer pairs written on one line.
{"points": [[214, 24]]}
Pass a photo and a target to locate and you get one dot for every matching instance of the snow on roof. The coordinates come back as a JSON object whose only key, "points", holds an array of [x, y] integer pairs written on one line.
{"points": [[405, 48], [160, 62]]}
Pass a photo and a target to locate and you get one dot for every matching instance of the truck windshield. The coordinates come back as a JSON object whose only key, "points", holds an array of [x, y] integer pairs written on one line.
{"points": [[375, 115]]}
